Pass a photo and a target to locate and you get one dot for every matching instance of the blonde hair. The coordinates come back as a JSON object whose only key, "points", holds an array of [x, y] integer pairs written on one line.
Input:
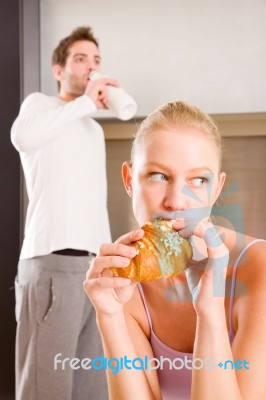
{"points": [[177, 114]]}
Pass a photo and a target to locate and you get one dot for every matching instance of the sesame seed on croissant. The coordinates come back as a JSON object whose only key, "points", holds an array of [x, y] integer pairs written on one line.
{"points": [[162, 252]]}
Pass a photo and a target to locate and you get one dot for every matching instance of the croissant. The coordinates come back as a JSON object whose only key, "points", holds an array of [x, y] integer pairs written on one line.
{"points": [[162, 252]]}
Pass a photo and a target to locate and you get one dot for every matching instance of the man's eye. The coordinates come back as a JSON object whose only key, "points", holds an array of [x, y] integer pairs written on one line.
{"points": [[158, 176], [199, 181]]}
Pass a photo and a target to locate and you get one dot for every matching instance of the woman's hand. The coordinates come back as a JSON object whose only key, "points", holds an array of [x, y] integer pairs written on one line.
{"points": [[206, 280], [107, 293]]}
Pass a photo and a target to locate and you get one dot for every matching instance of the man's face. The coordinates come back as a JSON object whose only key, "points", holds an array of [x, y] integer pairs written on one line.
{"points": [[83, 58]]}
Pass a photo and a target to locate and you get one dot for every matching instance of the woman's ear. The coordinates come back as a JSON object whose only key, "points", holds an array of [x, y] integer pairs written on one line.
{"points": [[127, 177], [221, 181]]}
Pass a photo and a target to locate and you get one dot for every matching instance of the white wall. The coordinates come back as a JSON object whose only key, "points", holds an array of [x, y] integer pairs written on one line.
{"points": [[211, 53]]}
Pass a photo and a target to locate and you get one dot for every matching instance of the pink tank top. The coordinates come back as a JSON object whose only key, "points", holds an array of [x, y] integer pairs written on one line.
{"points": [[175, 384]]}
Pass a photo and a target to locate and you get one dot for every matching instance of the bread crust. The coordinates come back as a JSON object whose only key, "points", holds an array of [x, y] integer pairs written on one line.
{"points": [[161, 253]]}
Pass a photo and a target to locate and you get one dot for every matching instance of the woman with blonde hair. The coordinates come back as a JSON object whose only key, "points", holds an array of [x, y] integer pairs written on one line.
{"points": [[200, 335]]}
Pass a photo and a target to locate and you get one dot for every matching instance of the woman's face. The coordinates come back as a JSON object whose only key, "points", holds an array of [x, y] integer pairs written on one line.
{"points": [[175, 169]]}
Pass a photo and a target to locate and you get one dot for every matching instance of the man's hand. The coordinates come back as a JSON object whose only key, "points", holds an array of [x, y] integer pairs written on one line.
{"points": [[97, 90]]}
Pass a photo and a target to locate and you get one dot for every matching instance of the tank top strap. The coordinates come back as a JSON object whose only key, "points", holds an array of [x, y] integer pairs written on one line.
{"points": [[145, 305], [233, 285]]}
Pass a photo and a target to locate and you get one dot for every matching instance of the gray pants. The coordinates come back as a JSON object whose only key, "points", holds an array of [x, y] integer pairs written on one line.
{"points": [[54, 316]]}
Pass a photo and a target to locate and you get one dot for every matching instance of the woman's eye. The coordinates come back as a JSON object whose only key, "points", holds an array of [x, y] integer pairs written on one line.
{"points": [[158, 176], [198, 182]]}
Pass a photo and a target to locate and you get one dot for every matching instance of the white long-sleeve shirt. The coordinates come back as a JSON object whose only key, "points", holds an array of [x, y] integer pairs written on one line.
{"points": [[62, 151]]}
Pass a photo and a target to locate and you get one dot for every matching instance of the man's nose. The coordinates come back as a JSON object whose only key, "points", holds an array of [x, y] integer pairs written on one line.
{"points": [[91, 66]]}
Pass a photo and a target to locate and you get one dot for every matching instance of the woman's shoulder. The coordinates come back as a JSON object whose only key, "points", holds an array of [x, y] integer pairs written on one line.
{"points": [[247, 262], [248, 259], [250, 273], [247, 269], [243, 249], [252, 261]]}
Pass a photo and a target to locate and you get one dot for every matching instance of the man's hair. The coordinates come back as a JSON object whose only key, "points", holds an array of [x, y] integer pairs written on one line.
{"points": [[60, 53]]}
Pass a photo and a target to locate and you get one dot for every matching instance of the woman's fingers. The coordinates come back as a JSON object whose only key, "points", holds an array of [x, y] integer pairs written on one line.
{"points": [[107, 292], [116, 249], [121, 245], [203, 229], [106, 282], [102, 262], [116, 254], [130, 237]]}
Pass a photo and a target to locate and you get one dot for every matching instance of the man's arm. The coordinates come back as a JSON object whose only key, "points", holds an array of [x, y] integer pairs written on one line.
{"points": [[37, 123]]}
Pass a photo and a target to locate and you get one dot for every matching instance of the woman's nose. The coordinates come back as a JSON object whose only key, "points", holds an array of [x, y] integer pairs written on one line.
{"points": [[175, 198]]}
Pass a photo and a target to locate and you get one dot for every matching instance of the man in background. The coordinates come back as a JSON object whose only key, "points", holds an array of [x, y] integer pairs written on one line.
{"points": [[62, 152]]}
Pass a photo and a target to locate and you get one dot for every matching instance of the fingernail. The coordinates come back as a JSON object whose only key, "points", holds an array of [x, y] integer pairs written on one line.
{"points": [[125, 261], [132, 251]]}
